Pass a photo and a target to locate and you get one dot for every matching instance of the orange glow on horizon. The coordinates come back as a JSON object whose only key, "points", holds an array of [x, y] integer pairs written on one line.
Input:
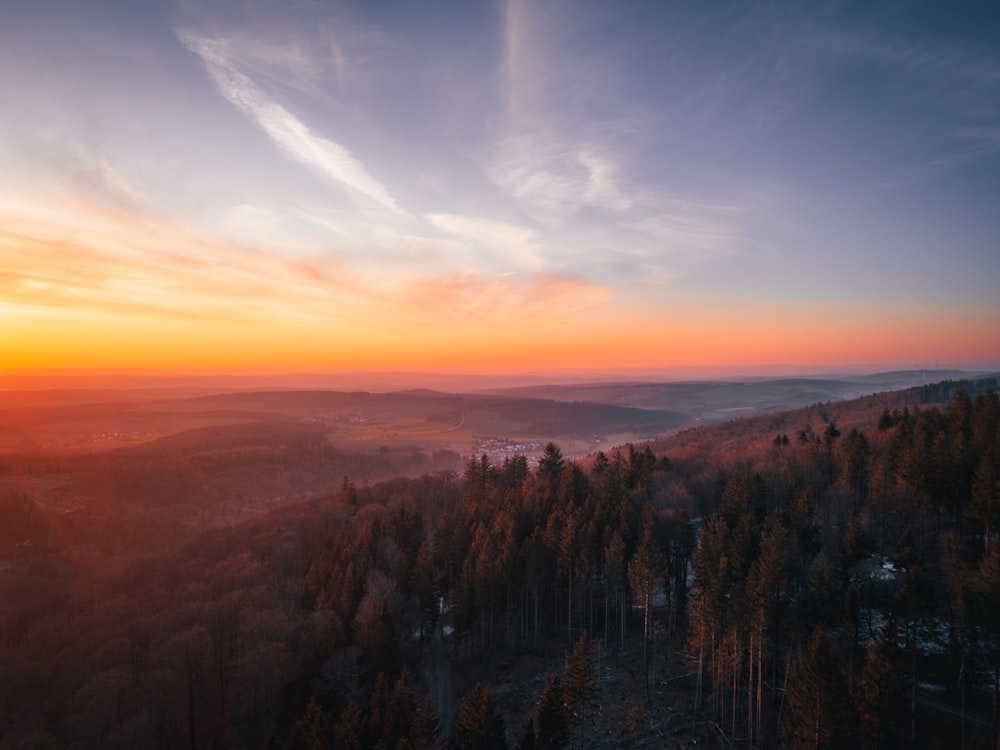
{"points": [[821, 337], [89, 288]]}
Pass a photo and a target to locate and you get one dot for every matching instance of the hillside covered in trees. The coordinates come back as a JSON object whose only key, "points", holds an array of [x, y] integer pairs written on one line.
{"points": [[828, 577]]}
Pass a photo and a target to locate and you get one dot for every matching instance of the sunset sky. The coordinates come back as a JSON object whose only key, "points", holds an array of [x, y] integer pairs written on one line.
{"points": [[499, 186]]}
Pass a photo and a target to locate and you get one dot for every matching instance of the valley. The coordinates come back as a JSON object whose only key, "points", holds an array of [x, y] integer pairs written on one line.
{"points": [[220, 569]]}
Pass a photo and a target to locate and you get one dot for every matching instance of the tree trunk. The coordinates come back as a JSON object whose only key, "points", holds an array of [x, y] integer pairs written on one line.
{"points": [[569, 610], [645, 646], [190, 692]]}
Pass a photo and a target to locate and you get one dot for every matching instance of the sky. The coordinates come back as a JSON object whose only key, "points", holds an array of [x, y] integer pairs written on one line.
{"points": [[510, 186]]}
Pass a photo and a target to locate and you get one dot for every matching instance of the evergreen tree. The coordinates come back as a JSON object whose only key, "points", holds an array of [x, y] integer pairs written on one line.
{"points": [[379, 711], [375, 633], [614, 573], [350, 728], [310, 731], [479, 477], [569, 557], [574, 487], [401, 711], [851, 627], [856, 454], [580, 685], [769, 584], [513, 471], [635, 717], [987, 583], [744, 494], [551, 718], [770, 574], [478, 726], [641, 464], [986, 492], [709, 604], [426, 725], [879, 692], [550, 470], [647, 571], [885, 422], [528, 740], [819, 707]]}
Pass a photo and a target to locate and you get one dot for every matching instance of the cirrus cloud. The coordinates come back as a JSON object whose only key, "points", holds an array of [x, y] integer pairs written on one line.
{"points": [[291, 134]]}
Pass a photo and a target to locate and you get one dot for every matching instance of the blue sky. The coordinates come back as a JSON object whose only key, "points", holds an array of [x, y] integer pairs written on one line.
{"points": [[391, 170]]}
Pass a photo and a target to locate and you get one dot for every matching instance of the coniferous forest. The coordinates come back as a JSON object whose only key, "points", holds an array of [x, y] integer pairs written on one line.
{"points": [[823, 578]]}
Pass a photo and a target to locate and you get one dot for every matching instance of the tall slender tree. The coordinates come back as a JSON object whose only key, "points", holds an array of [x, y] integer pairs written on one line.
{"points": [[550, 471], [647, 573], [879, 693], [580, 685], [478, 726], [820, 714], [549, 719]]}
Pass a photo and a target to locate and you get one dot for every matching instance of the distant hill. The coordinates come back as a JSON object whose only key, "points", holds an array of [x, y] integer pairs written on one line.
{"points": [[718, 401]]}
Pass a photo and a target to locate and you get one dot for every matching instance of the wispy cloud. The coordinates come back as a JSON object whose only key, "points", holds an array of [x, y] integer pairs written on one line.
{"points": [[518, 245], [954, 83], [557, 150], [85, 259], [964, 78], [969, 144], [955, 86], [564, 157], [471, 299], [101, 181], [291, 134], [557, 176]]}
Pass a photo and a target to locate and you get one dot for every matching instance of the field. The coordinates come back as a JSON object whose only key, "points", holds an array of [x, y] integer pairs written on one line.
{"points": [[421, 420]]}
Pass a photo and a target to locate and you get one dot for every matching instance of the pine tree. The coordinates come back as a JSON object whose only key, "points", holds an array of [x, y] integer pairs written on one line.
{"points": [[709, 603], [350, 728], [885, 422], [647, 571], [478, 726], [856, 456], [379, 711], [401, 711], [550, 470], [310, 731], [987, 582], [635, 717], [986, 492], [426, 725], [549, 718], [614, 573], [528, 739], [819, 708], [879, 691], [580, 685], [479, 477], [514, 471], [768, 585]]}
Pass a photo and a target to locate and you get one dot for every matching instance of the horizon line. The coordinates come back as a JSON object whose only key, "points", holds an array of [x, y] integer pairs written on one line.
{"points": [[402, 379]]}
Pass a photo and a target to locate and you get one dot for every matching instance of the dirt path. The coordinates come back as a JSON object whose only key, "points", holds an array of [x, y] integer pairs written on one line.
{"points": [[439, 679]]}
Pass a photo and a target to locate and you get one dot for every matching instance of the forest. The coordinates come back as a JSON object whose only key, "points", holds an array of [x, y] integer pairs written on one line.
{"points": [[824, 577]]}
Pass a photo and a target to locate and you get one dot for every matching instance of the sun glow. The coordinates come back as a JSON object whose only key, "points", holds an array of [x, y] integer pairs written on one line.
{"points": [[288, 189], [88, 287]]}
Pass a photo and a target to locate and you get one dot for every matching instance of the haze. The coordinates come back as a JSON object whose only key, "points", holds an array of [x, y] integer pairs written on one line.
{"points": [[504, 187]]}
